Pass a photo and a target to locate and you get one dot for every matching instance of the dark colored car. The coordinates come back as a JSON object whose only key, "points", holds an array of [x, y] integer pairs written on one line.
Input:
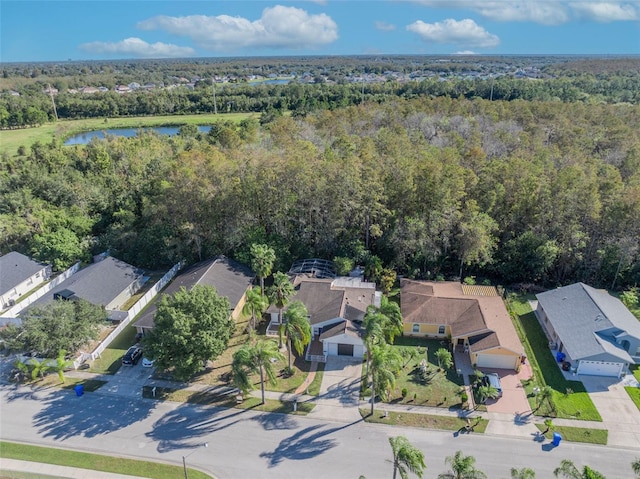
{"points": [[132, 356]]}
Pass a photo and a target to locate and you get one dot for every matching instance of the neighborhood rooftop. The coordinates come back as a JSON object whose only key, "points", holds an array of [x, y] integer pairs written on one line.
{"points": [[16, 268]]}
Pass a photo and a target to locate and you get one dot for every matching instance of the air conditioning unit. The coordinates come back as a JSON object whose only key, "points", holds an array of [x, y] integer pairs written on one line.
{"points": [[552, 345]]}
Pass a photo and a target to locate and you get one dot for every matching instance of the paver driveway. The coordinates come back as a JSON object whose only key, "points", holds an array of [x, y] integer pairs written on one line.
{"points": [[514, 399]]}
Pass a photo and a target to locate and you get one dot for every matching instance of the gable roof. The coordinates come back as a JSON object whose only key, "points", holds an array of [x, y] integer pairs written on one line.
{"points": [[583, 316], [338, 329], [228, 277], [99, 283], [472, 312], [15, 268]]}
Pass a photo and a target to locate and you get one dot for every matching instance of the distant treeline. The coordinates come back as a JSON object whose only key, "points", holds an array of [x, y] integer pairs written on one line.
{"points": [[517, 191], [36, 107]]}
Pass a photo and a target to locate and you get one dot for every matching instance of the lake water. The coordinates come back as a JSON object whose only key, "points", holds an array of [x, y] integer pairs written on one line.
{"points": [[84, 138]]}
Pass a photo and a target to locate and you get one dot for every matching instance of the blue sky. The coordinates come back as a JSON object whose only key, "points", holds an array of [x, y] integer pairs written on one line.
{"points": [[88, 29]]}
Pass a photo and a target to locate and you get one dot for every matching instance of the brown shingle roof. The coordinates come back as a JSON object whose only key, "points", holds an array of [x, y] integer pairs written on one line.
{"points": [[343, 327], [468, 311]]}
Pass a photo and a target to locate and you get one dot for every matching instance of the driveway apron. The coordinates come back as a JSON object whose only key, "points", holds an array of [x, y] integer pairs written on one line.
{"points": [[340, 389], [620, 415]]}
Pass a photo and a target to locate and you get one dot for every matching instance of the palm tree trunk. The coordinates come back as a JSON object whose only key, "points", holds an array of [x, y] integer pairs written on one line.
{"points": [[262, 382], [395, 470], [373, 393], [289, 350], [261, 285], [280, 336]]}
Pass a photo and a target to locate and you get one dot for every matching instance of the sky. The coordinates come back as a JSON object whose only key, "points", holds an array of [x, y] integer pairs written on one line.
{"points": [[54, 30]]}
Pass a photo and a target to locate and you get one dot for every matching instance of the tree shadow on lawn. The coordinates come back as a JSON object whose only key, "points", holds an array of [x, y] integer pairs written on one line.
{"points": [[66, 415], [178, 428], [305, 444]]}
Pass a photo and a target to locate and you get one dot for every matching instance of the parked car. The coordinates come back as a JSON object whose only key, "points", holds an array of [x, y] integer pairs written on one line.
{"points": [[132, 356], [494, 381], [147, 363]]}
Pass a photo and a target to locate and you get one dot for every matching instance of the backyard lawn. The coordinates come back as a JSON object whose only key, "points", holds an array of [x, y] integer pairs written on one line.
{"points": [[442, 388], [570, 398]]}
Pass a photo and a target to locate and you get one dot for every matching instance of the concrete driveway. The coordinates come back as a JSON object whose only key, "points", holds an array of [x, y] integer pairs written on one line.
{"points": [[514, 399], [128, 380], [620, 416], [340, 390]]}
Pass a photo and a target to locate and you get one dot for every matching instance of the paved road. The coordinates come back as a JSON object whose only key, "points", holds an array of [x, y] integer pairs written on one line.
{"points": [[249, 444]]}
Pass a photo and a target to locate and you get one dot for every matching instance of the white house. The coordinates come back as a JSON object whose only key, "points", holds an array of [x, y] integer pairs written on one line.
{"points": [[18, 276], [596, 332]]}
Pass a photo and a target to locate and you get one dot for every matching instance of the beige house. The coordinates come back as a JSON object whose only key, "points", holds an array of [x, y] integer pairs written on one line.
{"points": [[473, 317]]}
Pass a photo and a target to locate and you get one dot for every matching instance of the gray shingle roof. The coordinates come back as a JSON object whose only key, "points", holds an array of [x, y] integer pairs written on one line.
{"points": [[230, 278], [99, 283], [583, 316], [16, 268]]}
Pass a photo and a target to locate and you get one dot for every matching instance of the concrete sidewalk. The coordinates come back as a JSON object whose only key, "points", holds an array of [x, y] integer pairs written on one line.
{"points": [[51, 470]]}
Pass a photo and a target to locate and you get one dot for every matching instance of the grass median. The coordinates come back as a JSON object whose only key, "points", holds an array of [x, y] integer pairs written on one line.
{"points": [[427, 421], [95, 462], [577, 434]]}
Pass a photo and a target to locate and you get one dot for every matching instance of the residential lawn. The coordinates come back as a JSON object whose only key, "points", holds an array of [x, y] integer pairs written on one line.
{"points": [[634, 394], [570, 398], [10, 140], [635, 369], [427, 421], [442, 388], [52, 380], [111, 358], [577, 434], [96, 462], [228, 401]]}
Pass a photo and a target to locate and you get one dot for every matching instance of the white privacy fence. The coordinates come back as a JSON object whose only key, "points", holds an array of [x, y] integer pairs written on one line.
{"points": [[39, 293], [132, 313]]}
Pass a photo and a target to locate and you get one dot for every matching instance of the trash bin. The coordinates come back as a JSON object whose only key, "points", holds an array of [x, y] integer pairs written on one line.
{"points": [[556, 439], [79, 389]]}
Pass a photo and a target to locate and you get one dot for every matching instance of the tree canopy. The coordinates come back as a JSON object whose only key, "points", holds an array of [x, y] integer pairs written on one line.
{"points": [[191, 327]]}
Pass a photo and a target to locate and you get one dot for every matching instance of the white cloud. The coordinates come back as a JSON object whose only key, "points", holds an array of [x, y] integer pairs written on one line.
{"points": [[464, 32], [465, 52], [605, 11], [279, 27], [138, 48], [385, 27], [546, 12]]}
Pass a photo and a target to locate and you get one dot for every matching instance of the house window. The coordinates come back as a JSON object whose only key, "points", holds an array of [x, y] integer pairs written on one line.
{"points": [[441, 330], [638, 351], [416, 328]]}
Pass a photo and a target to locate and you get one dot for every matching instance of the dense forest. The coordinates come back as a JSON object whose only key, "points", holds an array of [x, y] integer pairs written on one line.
{"points": [[518, 192]]}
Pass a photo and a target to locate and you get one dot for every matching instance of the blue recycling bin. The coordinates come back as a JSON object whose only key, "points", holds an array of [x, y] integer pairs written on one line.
{"points": [[560, 357], [556, 439], [79, 389]]}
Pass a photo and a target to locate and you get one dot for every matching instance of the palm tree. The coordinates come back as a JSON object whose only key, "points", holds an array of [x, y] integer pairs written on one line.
{"points": [[524, 473], [462, 467], [406, 458], [38, 368], [252, 359], [262, 259], [549, 423], [279, 294], [544, 395], [255, 304], [487, 391], [296, 328], [389, 317], [635, 465], [385, 363], [568, 470], [445, 361], [61, 364]]}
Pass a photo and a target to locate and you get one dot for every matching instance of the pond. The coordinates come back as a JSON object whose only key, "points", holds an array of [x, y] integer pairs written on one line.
{"points": [[86, 137]]}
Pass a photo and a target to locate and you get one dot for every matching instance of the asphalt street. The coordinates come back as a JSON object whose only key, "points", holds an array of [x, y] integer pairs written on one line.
{"points": [[245, 444]]}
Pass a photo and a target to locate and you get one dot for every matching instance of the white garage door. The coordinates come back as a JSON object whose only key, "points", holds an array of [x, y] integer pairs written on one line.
{"points": [[599, 368], [497, 361]]}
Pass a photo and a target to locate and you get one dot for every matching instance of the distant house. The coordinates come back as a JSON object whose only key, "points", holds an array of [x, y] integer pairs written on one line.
{"points": [[109, 283], [336, 308], [228, 277], [596, 332], [19, 275], [473, 317]]}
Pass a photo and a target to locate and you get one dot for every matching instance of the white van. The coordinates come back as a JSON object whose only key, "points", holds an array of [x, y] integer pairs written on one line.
{"points": [[494, 381]]}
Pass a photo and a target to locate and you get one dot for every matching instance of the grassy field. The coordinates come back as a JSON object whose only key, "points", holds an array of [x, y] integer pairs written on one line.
{"points": [[96, 462], [577, 434], [447, 423], [10, 140], [634, 394], [570, 398]]}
